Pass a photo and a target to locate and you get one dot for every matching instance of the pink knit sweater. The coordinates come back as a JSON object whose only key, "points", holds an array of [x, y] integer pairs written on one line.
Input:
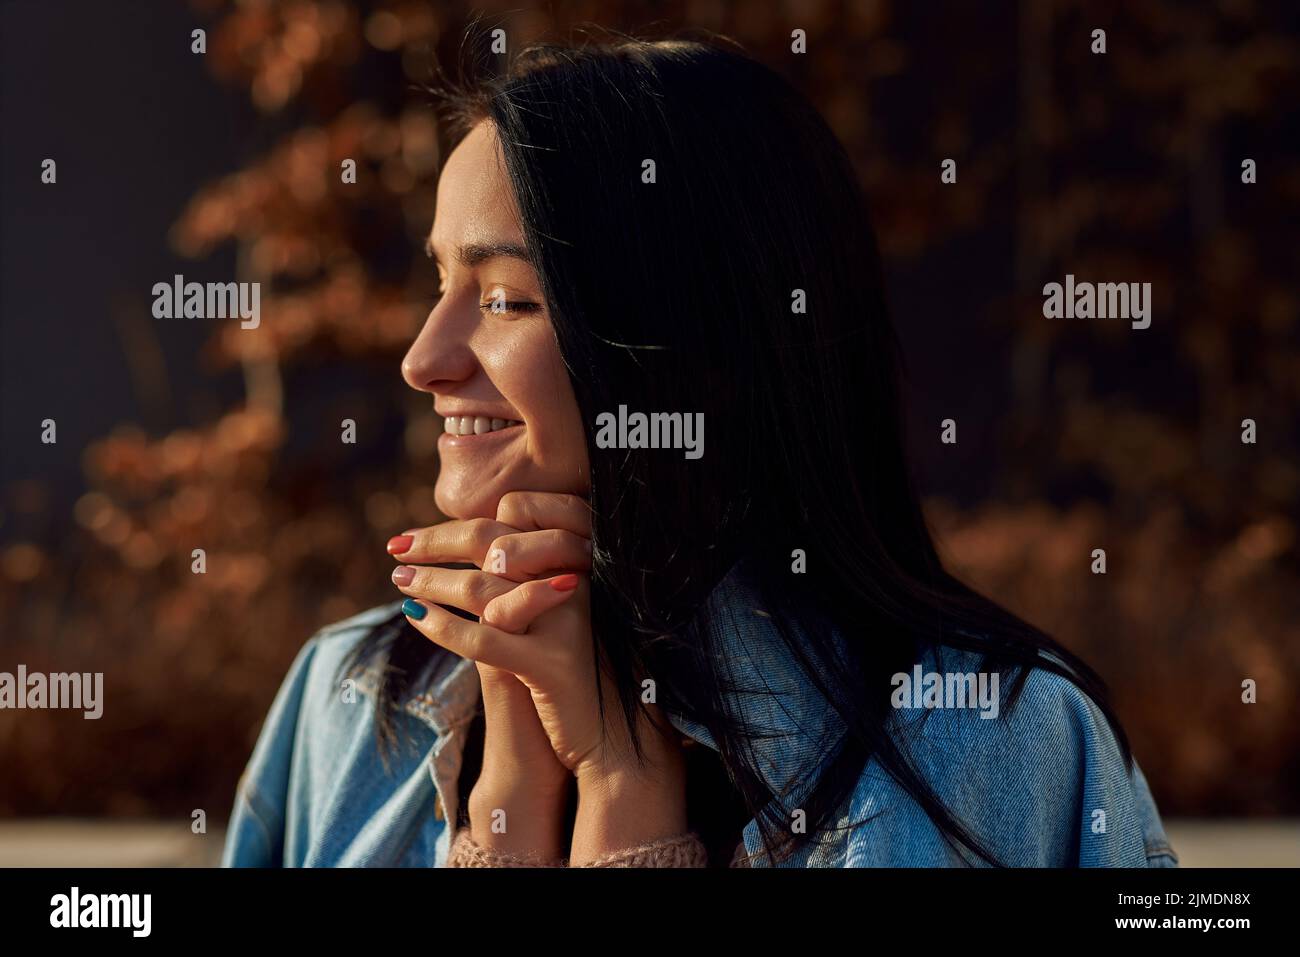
{"points": [[684, 850]]}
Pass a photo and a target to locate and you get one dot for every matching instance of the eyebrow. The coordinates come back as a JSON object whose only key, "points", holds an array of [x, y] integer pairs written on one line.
{"points": [[470, 255]]}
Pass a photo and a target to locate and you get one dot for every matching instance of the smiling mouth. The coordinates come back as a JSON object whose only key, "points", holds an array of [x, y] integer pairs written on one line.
{"points": [[476, 424]]}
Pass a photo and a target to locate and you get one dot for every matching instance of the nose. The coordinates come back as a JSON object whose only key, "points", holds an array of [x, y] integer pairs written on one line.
{"points": [[440, 353]]}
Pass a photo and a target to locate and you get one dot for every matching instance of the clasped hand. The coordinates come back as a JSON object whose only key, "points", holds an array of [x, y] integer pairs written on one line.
{"points": [[533, 647]]}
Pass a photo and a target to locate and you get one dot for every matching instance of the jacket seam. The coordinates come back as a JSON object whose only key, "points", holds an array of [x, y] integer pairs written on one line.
{"points": [[252, 798], [1161, 850]]}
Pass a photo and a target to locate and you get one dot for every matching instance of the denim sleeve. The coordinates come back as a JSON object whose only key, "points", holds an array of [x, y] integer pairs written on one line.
{"points": [[1045, 785], [255, 834]]}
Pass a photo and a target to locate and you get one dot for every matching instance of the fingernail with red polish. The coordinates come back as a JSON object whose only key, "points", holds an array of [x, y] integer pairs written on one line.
{"points": [[399, 544], [402, 575], [564, 582]]}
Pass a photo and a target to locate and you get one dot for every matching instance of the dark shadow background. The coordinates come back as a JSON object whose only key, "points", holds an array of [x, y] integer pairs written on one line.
{"points": [[183, 434]]}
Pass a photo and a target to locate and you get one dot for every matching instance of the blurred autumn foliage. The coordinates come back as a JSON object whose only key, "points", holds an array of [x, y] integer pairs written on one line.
{"points": [[1098, 437]]}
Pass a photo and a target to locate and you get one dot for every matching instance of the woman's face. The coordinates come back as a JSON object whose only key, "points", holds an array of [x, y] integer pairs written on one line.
{"points": [[487, 354]]}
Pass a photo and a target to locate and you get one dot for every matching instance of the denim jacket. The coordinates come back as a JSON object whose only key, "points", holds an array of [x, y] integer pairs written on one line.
{"points": [[1043, 785]]}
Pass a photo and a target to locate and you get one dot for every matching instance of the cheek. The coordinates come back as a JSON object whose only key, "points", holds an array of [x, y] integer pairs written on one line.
{"points": [[523, 365], [532, 377]]}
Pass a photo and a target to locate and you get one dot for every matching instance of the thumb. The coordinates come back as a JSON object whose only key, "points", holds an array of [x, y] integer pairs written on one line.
{"points": [[518, 608]]}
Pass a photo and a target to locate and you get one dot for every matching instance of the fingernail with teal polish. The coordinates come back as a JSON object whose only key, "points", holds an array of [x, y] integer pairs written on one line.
{"points": [[413, 609]]}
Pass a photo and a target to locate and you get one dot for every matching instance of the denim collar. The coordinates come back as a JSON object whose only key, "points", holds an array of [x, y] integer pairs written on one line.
{"points": [[451, 693]]}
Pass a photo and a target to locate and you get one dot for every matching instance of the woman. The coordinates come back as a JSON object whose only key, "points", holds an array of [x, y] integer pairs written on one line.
{"points": [[629, 646]]}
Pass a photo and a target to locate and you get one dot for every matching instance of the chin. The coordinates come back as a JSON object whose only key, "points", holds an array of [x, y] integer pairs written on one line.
{"points": [[467, 502]]}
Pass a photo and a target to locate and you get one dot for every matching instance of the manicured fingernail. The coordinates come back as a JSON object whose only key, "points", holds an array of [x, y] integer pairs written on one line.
{"points": [[402, 575], [399, 544], [564, 582], [413, 609]]}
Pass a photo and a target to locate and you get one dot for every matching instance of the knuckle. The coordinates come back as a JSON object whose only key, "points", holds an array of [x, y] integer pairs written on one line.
{"points": [[502, 547], [481, 533], [478, 644], [511, 505], [468, 592], [477, 591], [509, 611]]}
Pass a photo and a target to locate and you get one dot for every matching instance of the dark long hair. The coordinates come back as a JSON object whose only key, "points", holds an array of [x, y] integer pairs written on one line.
{"points": [[678, 295]]}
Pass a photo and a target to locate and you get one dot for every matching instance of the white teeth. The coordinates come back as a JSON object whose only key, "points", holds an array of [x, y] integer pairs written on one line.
{"points": [[475, 424]]}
